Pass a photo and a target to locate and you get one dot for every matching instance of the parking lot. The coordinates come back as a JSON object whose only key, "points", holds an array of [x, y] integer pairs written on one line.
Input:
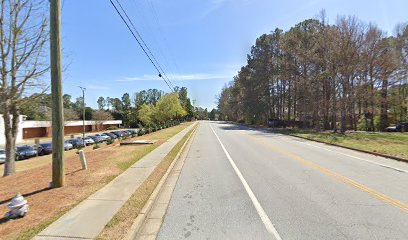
{"points": [[39, 149]]}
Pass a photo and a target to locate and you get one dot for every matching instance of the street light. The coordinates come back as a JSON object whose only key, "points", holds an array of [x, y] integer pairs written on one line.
{"points": [[83, 113]]}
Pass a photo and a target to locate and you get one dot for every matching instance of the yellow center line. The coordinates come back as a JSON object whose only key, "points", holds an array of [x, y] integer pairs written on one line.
{"points": [[379, 195]]}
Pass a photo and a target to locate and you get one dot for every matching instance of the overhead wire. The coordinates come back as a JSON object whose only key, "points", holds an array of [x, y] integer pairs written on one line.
{"points": [[144, 43], [141, 46], [156, 18]]}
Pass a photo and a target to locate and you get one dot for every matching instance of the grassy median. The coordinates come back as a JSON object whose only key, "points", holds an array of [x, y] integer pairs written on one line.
{"points": [[389, 143], [47, 205], [119, 225]]}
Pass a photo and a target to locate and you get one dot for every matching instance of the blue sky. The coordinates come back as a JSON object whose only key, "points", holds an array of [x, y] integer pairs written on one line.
{"points": [[201, 44]]}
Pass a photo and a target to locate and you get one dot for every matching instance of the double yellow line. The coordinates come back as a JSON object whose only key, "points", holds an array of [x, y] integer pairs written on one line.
{"points": [[380, 196]]}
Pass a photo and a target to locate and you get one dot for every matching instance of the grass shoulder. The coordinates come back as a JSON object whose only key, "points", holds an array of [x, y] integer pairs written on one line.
{"points": [[389, 143]]}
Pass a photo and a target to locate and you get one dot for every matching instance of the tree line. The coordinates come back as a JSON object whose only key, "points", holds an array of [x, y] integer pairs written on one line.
{"points": [[148, 107], [349, 75], [145, 107]]}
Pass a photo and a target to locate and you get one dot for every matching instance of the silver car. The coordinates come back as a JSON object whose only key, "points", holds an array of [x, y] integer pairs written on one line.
{"points": [[2, 156], [68, 146], [88, 141]]}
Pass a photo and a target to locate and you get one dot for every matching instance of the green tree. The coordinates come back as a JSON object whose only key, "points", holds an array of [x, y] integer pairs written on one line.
{"points": [[101, 103], [66, 98], [168, 107], [146, 114]]}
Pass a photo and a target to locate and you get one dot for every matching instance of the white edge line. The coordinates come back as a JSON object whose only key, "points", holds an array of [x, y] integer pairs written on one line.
{"points": [[261, 212]]}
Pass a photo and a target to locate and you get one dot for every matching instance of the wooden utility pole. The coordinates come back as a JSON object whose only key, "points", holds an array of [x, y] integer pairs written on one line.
{"points": [[56, 92]]}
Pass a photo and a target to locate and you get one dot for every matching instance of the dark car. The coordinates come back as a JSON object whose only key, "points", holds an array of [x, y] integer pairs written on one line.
{"points": [[125, 133], [131, 132], [76, 142], [118, 134], [400, 127], [44, 149], [25, 152], [97, 139], [111, 135]]}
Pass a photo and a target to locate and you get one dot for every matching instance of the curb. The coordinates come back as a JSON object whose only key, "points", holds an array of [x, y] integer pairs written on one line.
{"points": [[350, 148], [138, 222]]}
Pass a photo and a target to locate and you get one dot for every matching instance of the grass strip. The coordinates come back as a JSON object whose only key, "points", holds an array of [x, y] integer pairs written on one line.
{"points": [[392, 144]]}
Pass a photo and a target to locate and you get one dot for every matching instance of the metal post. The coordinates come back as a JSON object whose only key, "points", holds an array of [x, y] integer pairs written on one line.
{"points": [[83, 112], [56, 92]]}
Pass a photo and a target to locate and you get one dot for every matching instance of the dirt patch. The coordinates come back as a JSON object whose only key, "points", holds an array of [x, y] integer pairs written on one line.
{"points": [[46, 205]]}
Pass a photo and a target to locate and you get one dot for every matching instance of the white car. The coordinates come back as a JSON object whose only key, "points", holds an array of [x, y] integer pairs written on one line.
{"points": [[2, 156], [88, 141]]}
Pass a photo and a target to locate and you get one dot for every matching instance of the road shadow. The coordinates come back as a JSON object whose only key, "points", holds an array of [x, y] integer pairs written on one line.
{"points": [[27, 195], [267, 132], [4, 220]]}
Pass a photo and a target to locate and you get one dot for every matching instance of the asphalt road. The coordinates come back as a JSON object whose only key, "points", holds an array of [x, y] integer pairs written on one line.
{"points": [[241, 183]]}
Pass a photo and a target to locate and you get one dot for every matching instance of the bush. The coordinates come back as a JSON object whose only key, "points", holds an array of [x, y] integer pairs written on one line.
{"points": [[110, 141], [79, 147], [96, 146], [140, 132], [112, 128]]}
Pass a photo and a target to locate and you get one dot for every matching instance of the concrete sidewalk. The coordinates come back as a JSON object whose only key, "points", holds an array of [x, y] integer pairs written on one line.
{"points": [[87, 219]]}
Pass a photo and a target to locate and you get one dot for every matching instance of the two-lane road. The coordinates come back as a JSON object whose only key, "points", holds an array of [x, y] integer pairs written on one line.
{"points": [[241, 183]]}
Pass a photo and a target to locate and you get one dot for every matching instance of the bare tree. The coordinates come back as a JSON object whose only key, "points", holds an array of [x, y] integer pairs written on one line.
{"points": [[100, 117], [23, 36]]}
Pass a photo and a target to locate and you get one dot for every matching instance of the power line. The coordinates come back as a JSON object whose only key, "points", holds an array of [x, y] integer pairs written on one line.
{"points": [[156, 18], [144, 50], [144, 43]]}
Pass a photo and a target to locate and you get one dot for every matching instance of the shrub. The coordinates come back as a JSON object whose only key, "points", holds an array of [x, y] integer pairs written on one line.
{"points": [[140, 132], [96, 146], [110, 141], [79, 147], [112, 128]]}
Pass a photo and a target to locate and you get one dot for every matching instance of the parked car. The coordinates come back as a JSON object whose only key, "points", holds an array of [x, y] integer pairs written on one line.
{"points": [[25, 152], [88, 141], [125, 133], [68, 146], [400, 127], [111, 135], [44, 149], [2, 156], [76, 142], [104, 136], [97, 139], [118, 134], [131, 132]]}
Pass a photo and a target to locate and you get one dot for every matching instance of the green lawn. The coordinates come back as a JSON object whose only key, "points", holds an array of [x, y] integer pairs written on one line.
{"points": [[394, 144]]}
